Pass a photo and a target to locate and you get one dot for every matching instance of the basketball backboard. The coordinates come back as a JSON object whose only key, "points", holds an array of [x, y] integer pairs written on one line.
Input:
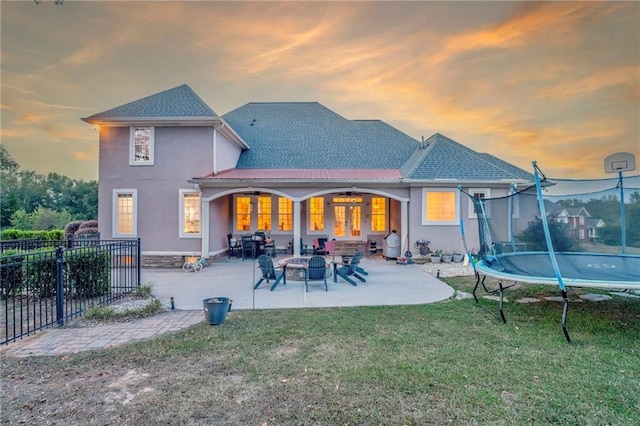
{"points": [[620, 162]]}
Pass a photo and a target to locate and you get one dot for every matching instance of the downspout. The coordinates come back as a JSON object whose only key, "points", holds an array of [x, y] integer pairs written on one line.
{"points": [[215, 149], [404, 226]]}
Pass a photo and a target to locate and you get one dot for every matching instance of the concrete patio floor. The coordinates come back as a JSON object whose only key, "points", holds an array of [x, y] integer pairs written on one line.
{"points": [[388, 283]]}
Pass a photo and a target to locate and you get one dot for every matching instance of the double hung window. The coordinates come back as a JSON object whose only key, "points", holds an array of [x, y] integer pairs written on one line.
{"points": [[190, 207], [125, 213]]}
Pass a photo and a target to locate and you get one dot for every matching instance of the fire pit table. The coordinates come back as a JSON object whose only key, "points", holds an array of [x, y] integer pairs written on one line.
{"points": [[294, 267]]}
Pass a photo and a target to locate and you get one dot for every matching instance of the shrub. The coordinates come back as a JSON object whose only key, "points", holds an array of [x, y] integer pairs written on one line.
{"points": [[85, 231], [144, 290], [9, 234], [71, 228], [11, 273], [89, 224], [534, 237], [88, 273], [20, 234], [39, 273], [55, 235]]}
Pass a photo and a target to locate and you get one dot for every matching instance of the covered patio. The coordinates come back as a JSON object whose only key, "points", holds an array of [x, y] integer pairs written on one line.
{"points": [[388, 283]]}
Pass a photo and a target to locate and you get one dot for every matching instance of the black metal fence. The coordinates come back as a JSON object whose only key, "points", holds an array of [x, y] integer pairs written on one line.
{"points": [[44, 286]]}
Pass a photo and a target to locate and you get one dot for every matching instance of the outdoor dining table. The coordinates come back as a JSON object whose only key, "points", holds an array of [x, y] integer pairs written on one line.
{"points": [[345, 249]]}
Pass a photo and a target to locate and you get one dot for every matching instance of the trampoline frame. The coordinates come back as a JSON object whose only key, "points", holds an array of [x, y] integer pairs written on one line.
{"points": [[484, 265]]}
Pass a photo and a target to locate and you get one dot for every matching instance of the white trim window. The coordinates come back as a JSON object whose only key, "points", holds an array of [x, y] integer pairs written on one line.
{"points": [[316, 215], [378, 214], [125, 213], [483, 193], [190, 212], [141, 146], [440, 206], [285, 214]]}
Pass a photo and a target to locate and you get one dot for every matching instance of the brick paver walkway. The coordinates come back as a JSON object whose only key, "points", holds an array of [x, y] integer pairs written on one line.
{"points": [[58, 341]]}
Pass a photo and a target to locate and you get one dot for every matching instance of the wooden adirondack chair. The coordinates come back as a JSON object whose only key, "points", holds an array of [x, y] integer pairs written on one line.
{"points": [[316, 270], [269, 272], [345, 271]]}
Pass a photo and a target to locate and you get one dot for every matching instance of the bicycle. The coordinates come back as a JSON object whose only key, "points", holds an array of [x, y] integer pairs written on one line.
{"points": [[193, 266], [423, 246]]}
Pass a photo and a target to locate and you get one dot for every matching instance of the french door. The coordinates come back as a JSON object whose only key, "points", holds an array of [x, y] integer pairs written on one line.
{"points": [[347, 221]]}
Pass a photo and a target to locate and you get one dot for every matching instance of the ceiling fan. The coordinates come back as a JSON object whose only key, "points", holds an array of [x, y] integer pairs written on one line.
{"points": [[348, 194], [253, 193]]}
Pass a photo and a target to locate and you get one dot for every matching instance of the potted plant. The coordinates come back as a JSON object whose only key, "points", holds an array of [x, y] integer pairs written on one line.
{"points": [[446, 257], [436, 256], [457, 257]]}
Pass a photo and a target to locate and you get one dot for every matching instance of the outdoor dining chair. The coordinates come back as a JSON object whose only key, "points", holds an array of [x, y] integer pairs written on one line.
{"points": [[269, 272], [316, 270], [248, 247], [235, 247], [348, 270]]}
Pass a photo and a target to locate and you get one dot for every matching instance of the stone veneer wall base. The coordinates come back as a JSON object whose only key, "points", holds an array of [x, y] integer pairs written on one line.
{"points": [[171, 262]]}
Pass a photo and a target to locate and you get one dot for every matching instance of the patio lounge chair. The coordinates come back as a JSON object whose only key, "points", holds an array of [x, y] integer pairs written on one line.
{"points": [[316, 270], [269, 272], [318, 246], [348, 270]]}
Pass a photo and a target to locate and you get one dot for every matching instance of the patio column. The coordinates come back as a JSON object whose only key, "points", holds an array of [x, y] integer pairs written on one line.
{"points": [[204, 228], [404, 226], [296, 229]]}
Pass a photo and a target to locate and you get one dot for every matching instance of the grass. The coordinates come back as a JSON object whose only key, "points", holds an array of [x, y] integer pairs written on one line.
{"points": [[450, 362]]}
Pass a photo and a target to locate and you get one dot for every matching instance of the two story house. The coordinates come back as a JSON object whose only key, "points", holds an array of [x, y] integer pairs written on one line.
{"points": [[181, 177], [582, 226]]}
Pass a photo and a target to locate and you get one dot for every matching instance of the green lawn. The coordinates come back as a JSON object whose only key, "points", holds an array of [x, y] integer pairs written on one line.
{"points": [[446, 363]]}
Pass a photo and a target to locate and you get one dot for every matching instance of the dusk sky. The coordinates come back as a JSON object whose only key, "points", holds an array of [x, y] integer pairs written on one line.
{"points": [[555, 82]]}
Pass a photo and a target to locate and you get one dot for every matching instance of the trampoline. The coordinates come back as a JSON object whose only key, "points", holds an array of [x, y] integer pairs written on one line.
{"points": [[520, 232], [592, 270]]}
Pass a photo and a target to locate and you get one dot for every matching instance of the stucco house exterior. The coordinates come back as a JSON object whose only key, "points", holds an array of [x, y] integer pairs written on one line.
{"points": [[181, 177]]}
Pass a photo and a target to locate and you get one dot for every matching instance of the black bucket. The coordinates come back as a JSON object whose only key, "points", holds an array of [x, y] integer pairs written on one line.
{"points": [[215, 309]]}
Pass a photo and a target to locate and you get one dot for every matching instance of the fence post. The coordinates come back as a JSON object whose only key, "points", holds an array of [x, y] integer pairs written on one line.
{"points": [[138, 261], [60, 285]]}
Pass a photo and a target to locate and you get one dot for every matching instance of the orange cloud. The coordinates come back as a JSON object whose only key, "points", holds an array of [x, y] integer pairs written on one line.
{"points": [[556, 21], [627, 76]]}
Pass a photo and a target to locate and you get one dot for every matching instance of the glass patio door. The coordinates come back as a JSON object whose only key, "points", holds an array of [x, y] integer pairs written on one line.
{"points": [[347, 220]]}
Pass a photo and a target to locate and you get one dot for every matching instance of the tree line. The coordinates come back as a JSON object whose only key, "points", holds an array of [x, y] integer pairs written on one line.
{"points": [[607, 208], [34, 201]]}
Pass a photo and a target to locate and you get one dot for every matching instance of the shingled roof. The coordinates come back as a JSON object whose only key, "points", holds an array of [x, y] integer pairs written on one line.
{"points": [[442, 158], [307, 135], [179, 102], [297, 136]]}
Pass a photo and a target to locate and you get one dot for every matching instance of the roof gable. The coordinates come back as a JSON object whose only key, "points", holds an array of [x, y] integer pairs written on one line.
{"points": [[179, 102], [307, 135], [442, 158]]}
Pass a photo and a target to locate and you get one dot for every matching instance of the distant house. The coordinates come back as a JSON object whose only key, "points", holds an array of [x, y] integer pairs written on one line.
{"points": [[581, 225], [592, 228], [181, 177]]}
